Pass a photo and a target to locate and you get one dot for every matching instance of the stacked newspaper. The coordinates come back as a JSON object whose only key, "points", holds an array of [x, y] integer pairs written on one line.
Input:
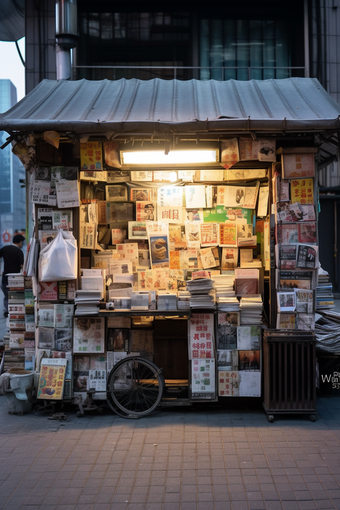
{"points": [[228, 304], [167, 300], [327, 331], [324, 291], [87, 302], [224, 284], [251, 308], [183, 300], [202, 294]]}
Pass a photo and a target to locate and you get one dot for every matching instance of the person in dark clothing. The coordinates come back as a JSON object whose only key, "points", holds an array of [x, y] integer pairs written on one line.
{"points": [[13, 262]]}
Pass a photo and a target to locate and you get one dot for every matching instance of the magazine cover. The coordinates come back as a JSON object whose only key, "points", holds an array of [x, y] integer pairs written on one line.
{"points": [[52, 378], [307, 233], [91, 156], [229, 153], [228, 234], [228, 383], [226, 335], [249, 360], [209, 234], [227, 359], [111, 154], [195, 196], [297, 165], [146, 211], [116, 193], [137, 230], [302, 191], [158, 237], [229, 258], [203, 379], [88, 335]]}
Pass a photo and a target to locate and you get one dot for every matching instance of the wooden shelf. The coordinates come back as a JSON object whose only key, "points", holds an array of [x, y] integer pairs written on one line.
{"points": [[144, 313]]}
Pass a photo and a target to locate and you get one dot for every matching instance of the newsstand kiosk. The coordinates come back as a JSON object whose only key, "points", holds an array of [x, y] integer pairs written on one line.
{"points": [[173, 241]]}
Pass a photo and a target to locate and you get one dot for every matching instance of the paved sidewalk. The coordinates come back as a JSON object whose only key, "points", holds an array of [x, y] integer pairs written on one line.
{"points": [[182, 458]]}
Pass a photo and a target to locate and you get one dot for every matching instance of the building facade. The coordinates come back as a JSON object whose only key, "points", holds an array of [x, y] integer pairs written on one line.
{"points": [[12, 192]]}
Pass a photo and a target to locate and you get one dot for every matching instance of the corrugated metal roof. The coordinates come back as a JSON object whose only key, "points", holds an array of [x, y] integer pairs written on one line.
{"points": [[160, 106]]}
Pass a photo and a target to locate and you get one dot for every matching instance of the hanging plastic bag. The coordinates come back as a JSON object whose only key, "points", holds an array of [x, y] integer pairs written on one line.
{"points": [[58, 261]]}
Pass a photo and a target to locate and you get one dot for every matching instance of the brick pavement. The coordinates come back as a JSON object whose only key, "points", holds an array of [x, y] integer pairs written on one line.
{"points": [[183, 458]]}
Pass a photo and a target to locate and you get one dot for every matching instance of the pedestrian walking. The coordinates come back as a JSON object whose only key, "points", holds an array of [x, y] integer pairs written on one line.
{"points": [[13, 263]]}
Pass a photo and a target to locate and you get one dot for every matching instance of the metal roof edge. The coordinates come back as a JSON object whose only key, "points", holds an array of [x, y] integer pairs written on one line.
{"points": [[78, 127]]}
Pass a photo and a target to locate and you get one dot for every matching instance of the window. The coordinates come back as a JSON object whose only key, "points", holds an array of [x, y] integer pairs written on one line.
{"points": [[244, 49]]}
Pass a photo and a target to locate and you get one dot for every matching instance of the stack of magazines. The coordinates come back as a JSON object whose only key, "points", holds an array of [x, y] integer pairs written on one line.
{"points": [[251, 310], [327, 331], [183, 300], [324, 291], [202, 294], [224, 284], [228, 304], [87, 302], [167, 300]]}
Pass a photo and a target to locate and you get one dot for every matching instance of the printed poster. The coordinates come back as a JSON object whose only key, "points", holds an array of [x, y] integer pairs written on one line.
{"points": [[52, 378], [146, 211], [201, 336], [48, 291], [170, 196], [91, 156], [158, 236], [203, 379], [111, 154], [229, 153], [88, 335], [116, 193], [193, 234], [195, 197], [229, 258], [209, 234], [228, 234], [143, 194], [170, 214], [302, 191], [297, 165], [228, 383]]}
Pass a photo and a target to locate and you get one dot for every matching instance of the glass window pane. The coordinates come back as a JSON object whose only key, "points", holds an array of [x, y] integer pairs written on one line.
{"points": [[256, 46], [229, 49], [204, 50], [106, 26], [216, 50], [282, 53], [269, 50], [119, 26], [242, 49]]}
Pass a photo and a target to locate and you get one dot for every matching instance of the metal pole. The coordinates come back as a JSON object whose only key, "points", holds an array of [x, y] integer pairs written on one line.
{"points": [[306, 38]]}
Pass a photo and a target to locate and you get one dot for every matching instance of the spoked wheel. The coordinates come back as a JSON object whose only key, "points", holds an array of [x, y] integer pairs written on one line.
{"points": [[135, 386]]}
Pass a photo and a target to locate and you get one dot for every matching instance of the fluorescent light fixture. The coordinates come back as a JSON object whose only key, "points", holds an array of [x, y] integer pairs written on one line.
{"points": [[175, 157]]}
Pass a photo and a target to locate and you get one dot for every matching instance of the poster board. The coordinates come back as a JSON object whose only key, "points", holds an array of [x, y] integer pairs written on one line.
{"points": [[52, 378]]}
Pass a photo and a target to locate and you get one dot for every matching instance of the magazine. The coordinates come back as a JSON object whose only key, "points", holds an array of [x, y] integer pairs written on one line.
{"points": [[297, 165], [307, 233], [146, 211]]}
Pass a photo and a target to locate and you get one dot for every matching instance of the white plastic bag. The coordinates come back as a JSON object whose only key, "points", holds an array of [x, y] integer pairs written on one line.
{"points": [[58, 261]]}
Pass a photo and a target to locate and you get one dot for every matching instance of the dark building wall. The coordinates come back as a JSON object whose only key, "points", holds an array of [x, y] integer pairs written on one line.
{"points": [[40, 42], [245, 37]]}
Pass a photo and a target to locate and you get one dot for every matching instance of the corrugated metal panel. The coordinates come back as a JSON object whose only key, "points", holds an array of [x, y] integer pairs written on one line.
{"points": [[12, 20], [293, 104]]}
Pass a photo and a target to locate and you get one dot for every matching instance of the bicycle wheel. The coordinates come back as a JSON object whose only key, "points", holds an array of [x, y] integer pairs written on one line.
{"points": [[136, 386]]}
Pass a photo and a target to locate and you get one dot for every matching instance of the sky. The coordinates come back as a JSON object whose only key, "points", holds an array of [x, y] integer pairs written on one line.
{"points": [[11, 67]]}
